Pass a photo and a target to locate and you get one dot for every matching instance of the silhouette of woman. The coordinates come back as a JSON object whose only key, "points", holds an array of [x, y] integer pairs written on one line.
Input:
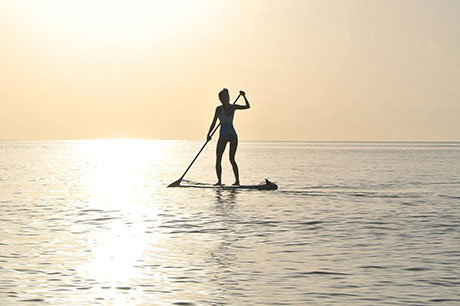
{"points": [[225, 113]]}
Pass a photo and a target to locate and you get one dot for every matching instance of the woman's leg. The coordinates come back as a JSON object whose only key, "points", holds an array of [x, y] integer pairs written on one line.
{"points": [[221, 144], [233, 147]]}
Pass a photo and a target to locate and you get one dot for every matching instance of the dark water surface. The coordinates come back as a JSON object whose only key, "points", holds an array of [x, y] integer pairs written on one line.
{"points": [[92, 223]]}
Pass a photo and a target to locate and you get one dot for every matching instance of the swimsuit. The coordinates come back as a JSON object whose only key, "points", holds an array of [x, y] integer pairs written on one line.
{"points": [[226, 125]]}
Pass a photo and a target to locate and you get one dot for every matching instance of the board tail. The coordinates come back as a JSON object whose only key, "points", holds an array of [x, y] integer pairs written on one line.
{"points": [[271, 184]]}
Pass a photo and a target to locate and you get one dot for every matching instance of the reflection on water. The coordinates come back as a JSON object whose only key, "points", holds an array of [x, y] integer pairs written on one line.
{"points": [[92, 223], [226, 196]]}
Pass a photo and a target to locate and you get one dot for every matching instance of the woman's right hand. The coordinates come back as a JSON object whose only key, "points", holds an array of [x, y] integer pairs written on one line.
{"points": [[242, 93], [208, 137]]}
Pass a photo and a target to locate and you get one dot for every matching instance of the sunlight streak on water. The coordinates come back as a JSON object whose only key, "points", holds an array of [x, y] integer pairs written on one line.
{"points": [[119, 173], [117, 183]]}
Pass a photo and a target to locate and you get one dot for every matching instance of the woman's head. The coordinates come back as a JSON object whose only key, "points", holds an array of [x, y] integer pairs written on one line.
{"points": [[224, 96]]}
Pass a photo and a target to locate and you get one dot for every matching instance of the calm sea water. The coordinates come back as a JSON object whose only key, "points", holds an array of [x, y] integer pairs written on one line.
{"points": [[92, 223]]}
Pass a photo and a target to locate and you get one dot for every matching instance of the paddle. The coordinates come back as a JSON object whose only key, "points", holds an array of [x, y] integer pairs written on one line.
{"points": [[177, 183]]}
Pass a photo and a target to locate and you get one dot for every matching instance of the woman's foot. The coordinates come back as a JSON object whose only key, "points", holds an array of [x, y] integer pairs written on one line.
{"points": [[237, 183], [218, 184]]}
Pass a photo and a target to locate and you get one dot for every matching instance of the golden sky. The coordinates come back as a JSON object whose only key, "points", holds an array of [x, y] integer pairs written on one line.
{"points": [[312, 70]]}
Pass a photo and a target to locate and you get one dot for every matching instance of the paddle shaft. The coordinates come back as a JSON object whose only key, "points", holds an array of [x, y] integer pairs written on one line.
{"points": [[204, 145]]}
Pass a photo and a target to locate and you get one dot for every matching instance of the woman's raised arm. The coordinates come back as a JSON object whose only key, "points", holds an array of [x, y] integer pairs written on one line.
{"points": [[246, 106]]}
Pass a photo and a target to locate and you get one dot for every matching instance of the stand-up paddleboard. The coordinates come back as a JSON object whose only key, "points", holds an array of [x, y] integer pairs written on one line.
{"points": [[264, 186]]}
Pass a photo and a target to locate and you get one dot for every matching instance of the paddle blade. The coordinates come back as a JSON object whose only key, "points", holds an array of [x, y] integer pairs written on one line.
{"points": [[176, 183]]}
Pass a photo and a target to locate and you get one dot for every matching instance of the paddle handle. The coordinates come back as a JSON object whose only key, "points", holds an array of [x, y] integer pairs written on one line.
{"points": [[199, 152]]}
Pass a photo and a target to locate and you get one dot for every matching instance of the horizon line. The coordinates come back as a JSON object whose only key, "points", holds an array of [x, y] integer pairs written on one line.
{"points": [[273, 140]]}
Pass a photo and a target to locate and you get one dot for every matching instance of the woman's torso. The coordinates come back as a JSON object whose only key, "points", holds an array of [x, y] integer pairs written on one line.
{"points": [[225, 116]]}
